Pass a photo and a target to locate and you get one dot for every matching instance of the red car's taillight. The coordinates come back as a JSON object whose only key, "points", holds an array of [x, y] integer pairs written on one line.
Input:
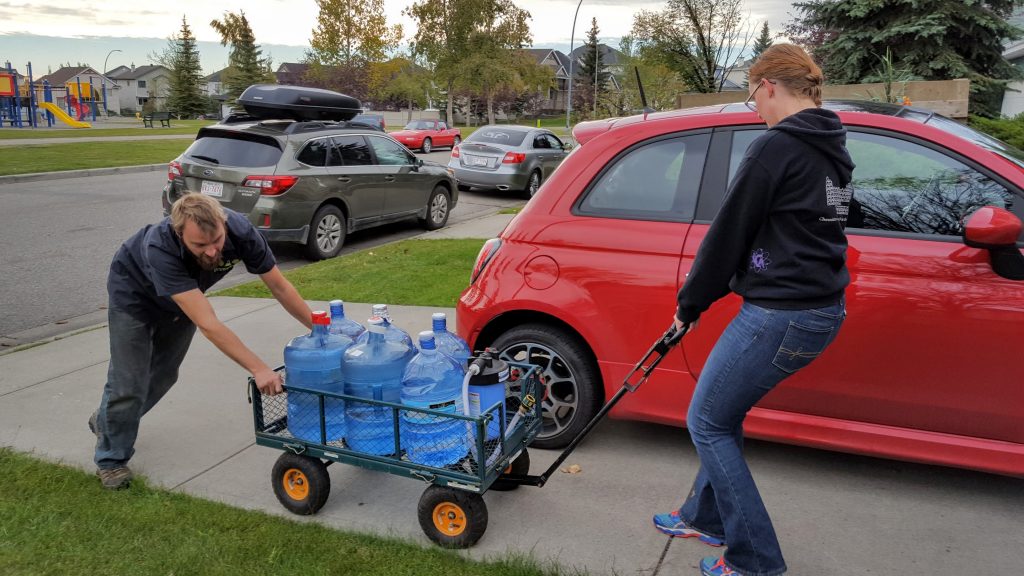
{"points": [[173, 170], [270, 185], [513, 158], [487, 252], [455, 151]]}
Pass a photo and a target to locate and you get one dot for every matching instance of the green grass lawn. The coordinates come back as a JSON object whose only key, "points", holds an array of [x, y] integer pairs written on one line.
{"points": [[182, 127], [74, 156], [56, 520], [440, 268]]}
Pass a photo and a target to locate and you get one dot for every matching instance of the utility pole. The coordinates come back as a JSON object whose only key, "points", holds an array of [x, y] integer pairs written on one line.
{"points": [[572, 37]]}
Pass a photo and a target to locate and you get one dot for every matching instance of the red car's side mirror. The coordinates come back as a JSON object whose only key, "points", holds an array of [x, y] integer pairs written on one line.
{"points": [[996, 230]]}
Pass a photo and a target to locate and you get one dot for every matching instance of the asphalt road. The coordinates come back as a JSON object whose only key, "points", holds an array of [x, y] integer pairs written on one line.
{"points": [[58, 237]]}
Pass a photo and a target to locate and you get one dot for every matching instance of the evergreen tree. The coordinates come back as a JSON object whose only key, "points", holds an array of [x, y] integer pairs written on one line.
{"points": [[246, 64], [931, 39], [763, 42], [185, 96], [590, 73]]}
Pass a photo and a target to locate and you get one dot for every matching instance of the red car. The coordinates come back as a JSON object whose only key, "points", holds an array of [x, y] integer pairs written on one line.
{"points": [[927, 367], [426, 135]]}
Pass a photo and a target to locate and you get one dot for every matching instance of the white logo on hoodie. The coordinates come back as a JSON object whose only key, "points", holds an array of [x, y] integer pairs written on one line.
{"points": [[838, 198]]}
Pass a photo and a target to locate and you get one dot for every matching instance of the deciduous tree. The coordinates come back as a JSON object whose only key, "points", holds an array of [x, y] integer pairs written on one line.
{"points": [[701, 40]]}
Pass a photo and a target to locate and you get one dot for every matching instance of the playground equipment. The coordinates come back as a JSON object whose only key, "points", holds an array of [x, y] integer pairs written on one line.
{"points": [[27, 105]]}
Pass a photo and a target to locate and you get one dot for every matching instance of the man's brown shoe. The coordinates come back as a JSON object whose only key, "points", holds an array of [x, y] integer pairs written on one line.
{"points": [[94, 426], [115, 478]]}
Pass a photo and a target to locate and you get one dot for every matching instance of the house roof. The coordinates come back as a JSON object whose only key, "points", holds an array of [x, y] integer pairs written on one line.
{"points": [[609, 56], [561, 60], [65, 73], [138, 72], [216, 76]]}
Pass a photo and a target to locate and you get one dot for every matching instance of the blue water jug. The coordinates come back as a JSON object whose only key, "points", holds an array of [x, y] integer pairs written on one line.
{"points": [[392, 333], [314, 362], [448, 342], [433, 380], [373, 370], [341, 324]]}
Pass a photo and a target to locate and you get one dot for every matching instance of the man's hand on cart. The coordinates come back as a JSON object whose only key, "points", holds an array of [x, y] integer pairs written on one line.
{"points": [[268, 382], [679, 324]]}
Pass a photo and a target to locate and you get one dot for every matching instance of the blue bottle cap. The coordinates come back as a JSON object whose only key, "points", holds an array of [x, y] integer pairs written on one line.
{"points": [[427, 340]]}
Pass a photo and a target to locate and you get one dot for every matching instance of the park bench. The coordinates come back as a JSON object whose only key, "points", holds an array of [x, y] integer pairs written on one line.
{"points": [[163, 117]]}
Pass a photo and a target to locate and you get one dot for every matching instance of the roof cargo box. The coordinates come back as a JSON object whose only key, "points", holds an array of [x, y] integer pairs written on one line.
{"points": [[270, 101]]}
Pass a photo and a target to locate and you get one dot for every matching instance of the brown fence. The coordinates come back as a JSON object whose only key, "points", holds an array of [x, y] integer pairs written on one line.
{"points": [[947, 97]]}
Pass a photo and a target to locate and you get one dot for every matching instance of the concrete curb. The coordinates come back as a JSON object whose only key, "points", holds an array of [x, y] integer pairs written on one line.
{"points": [[18, 178]]}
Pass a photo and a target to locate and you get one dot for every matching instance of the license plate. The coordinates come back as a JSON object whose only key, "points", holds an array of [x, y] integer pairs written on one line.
{"points": [[212, 188], [478, 161]]}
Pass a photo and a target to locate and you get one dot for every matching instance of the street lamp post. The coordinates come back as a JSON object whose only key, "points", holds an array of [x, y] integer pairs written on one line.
{"points": [[103, 75], [572, 37]]}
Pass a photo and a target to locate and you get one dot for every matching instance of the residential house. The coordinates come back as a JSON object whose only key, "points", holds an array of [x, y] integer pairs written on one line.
{"points": [[1013, 98], [213, 87], [612, 60], [554, 98], [83, 80], [291, 73], [140, 85]]}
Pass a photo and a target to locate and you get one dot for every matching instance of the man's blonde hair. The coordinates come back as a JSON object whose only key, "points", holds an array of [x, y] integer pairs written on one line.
{"points": [[204, 211]]}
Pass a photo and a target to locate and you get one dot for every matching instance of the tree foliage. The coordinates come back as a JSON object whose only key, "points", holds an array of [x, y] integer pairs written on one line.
{"points": [[350, 37], [762, 42], [184, 96], [470, 44], [660, 84], [700, 40], [246, 64], [592, 77], [932, 39]]}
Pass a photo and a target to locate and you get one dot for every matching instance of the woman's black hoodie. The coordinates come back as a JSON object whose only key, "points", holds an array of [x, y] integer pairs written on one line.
{"points": [[779, 238]]}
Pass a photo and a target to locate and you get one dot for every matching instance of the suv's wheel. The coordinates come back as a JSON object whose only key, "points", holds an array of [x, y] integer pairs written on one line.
{"points": [[572, 390], [326, 233], [427, 146], [437, 209], [533, 184]]}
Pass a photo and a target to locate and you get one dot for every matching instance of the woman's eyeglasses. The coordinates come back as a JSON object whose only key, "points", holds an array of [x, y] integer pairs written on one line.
{"points": [[749, 102]]}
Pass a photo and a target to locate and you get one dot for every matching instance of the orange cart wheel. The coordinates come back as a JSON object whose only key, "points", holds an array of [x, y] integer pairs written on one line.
{"points": [[519, 467], [452, 518], [301, 483]]}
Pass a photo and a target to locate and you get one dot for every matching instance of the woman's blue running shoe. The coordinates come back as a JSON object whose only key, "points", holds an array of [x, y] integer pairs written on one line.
{"points": [[712, 566], [673, 525]]}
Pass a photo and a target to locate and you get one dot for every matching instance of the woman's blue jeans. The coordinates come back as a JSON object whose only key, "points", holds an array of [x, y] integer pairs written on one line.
{"points": [[760, 348], [144, 361]]}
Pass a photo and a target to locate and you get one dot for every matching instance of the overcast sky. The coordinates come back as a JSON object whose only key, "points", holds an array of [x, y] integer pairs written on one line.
{"points": [[281, 23]]}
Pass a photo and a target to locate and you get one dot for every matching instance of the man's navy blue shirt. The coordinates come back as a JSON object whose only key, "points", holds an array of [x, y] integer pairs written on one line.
{"points": [[154, 264]]}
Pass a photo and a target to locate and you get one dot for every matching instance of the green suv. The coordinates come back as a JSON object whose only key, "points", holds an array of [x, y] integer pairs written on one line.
{"points": [[312, 182]]}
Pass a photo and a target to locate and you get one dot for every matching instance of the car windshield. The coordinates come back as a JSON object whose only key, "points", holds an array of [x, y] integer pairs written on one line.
{"points": [[419, 125], [497, 136]]}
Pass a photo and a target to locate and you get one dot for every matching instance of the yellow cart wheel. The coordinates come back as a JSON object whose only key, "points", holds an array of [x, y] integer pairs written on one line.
{"points": [[452, 518], [301, 483]]}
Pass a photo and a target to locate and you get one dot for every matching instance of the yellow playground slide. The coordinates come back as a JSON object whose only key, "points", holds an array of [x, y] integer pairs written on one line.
{"points": [[63, 116]]}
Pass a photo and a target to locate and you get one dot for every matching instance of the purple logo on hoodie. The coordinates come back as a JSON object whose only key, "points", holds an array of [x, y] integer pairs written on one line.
{"points": [[759, 260]]}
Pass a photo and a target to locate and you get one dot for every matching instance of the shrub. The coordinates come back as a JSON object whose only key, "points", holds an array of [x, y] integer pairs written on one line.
{"points": [[1009, 130]]}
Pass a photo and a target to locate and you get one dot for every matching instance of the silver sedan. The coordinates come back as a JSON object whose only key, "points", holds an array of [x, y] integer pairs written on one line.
{"points": [[506, 157]]}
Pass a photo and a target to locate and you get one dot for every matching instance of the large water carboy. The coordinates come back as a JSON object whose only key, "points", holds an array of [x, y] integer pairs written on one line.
{"points": [[373, 370], [392, 333], [433, 380], [341, 324], [314, 362], [448, 342]]}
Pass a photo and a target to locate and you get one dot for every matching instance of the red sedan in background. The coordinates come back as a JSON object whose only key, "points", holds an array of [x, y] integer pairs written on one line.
{"points": [[426, 135], [927, 367]]}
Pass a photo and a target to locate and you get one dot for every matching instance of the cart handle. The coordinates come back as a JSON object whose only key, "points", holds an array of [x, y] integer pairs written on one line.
{"points": [[657, 352]]}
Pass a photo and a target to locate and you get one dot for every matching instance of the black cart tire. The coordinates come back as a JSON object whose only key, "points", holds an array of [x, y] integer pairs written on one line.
{"points": [[301, 483], [452, 518], [438, 208], [572, 391], [519, 467], [326, 233]]}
